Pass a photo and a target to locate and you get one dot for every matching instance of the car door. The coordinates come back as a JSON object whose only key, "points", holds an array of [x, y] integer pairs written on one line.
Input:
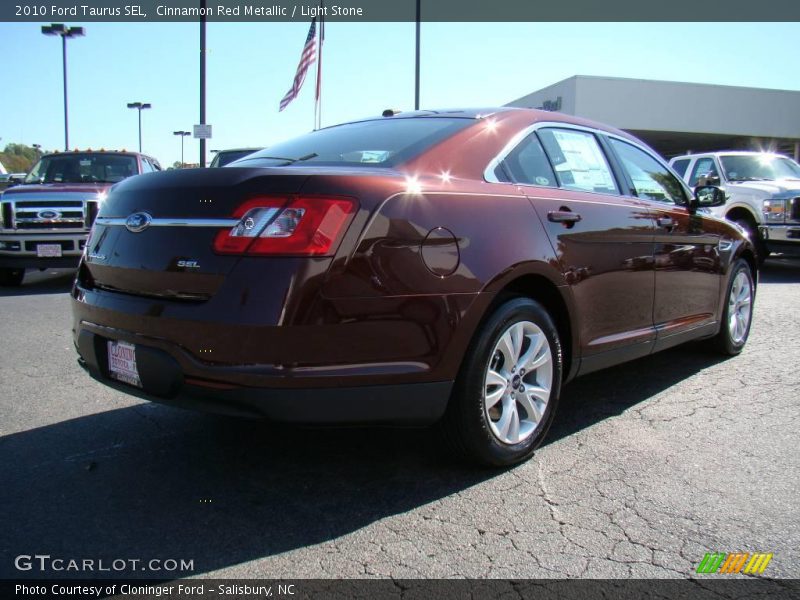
{"points": [[603, 241], [687, 263]]}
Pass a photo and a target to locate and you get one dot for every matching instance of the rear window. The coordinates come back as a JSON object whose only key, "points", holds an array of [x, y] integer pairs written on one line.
{"points": [[379, 143], [679, 166], [225, 157], [83, 168]]}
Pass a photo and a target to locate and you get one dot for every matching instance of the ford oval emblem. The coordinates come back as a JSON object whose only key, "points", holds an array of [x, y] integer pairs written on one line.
{"points": [[138, 222], [48, 215]]}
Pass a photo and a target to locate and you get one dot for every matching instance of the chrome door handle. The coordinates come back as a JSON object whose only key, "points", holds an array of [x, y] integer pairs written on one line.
{"points": [[563, 216]]}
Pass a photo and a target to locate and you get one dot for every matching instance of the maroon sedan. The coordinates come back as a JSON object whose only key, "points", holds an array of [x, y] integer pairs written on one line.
{"points": [[454, 267]]}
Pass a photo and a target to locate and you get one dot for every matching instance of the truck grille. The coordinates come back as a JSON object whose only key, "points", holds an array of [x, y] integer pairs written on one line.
{"points": [[795, 209], [48, 214]]}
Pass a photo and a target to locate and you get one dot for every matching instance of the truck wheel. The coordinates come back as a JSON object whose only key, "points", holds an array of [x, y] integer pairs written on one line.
{"points": [[737, 314], [508, 388], [760, 246], [11, 277]]}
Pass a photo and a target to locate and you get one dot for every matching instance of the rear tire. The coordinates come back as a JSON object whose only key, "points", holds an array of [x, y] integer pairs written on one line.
{"points": [[11, 277], [737, 315], [508, 388]]}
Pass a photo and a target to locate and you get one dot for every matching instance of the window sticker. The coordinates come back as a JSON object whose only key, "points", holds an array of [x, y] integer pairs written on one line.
{"points": [[584, 166]]}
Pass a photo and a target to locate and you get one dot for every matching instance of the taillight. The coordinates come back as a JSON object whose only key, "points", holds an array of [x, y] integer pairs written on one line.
{"points": [[305, 226]]}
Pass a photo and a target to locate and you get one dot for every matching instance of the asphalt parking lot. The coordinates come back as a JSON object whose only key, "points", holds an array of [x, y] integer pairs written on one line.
{"points": [[648, 466]]}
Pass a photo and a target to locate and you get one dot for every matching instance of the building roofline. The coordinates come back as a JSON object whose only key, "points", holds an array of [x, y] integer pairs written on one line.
{"points": [[675, 82]]}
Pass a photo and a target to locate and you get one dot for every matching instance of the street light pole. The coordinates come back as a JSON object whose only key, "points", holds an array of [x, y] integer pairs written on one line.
{"points": [[183, 134], [416, 65], [65, 32], [140, 106], [66, 109], [202, 80]]}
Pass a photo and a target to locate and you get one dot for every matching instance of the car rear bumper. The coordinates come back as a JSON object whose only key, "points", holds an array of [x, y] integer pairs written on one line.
{"points": [[164, 380]]}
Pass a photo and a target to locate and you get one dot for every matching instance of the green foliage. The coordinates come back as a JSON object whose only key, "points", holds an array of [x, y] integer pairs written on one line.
{"points": [[18, 158]]}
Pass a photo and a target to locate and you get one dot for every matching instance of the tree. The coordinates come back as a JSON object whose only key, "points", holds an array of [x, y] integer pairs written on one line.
{"points": [[18, 158]]}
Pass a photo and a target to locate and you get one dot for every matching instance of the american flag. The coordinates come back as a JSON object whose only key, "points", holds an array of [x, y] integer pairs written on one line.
{"points": [[307, 58]]}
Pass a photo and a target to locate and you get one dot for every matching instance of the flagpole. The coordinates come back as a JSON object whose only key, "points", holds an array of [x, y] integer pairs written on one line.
{"points": [[320, 39], [316, 97]]}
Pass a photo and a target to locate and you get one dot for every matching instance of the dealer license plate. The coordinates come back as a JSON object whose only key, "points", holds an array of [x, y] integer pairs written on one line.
{"points": [[122, 363], [48, 250]]}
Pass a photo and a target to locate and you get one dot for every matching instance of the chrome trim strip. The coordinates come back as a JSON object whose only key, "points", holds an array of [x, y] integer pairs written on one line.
{"points": [[488, 173], [57, 220], [164, 222], [58, 208]]}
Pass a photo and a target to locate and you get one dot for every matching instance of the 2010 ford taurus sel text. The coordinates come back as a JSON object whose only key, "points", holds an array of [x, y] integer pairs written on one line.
{"points": [[454, 267]]}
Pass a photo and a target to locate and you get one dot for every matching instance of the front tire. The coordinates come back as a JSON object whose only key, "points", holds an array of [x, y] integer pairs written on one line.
{"points": [[758, 243], [737, 315], [11, 277], [508, 388]]}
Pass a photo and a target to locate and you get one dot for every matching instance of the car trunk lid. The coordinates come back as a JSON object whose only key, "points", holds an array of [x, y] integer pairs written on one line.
{"points": [[154, 234]]}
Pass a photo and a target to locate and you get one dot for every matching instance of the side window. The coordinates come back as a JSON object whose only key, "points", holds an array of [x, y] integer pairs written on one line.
{"points": [[680, 166], [651, 180], [704, 167], [146, 167], [578, 160], [527, 163]]}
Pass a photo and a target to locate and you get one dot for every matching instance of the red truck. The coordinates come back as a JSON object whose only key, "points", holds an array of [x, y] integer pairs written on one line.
{"points": [[44, 222]]}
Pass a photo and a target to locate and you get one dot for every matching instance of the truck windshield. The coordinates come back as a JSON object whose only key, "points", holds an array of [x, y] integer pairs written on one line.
{"points": [[83, 168], [759, 168], [379, 143]]}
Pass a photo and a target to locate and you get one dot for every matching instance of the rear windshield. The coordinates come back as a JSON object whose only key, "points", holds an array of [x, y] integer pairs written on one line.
{"points": [[83, 168], [381, 143], [225, 157]]}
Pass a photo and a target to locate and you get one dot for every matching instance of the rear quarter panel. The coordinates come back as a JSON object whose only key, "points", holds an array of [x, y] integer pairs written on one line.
{"points": [[388, 275]]}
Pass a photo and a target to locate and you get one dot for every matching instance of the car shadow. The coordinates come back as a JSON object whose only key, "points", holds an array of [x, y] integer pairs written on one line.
{"points": [[780, 269], [595, 397], [52, 281], [149, 481]]}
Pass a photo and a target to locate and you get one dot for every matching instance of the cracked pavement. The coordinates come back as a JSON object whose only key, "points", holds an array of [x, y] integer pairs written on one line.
{"points": [[648, 466]]}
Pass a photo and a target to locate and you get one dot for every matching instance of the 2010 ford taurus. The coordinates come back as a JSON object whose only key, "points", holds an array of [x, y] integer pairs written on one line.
{"points": [[454, 267]]}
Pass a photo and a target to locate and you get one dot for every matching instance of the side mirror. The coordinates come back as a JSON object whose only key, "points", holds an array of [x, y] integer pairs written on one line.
{"points": [[708, 196]]}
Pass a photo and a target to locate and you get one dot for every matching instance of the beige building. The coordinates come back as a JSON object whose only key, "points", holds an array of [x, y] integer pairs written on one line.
{"points": [[675, 117]]}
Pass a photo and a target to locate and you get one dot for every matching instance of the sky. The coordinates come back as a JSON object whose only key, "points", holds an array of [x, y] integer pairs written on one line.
{"points": [[368, 67]]}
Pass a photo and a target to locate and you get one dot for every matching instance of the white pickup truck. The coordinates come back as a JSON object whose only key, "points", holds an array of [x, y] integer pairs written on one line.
{"points": [[763, 194]]}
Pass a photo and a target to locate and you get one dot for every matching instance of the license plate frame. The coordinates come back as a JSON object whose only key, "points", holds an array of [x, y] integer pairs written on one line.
{"points": [[49, 250], [122, 362]]}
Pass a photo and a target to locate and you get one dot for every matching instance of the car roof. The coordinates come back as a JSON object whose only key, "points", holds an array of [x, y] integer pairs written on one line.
{"points": [[463, 113], [77, 152], [534, 114], [728, 153]]}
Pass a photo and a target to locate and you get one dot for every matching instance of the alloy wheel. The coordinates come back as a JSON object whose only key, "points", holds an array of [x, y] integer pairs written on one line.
{"points": [[740, 307], [517, 383]]}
